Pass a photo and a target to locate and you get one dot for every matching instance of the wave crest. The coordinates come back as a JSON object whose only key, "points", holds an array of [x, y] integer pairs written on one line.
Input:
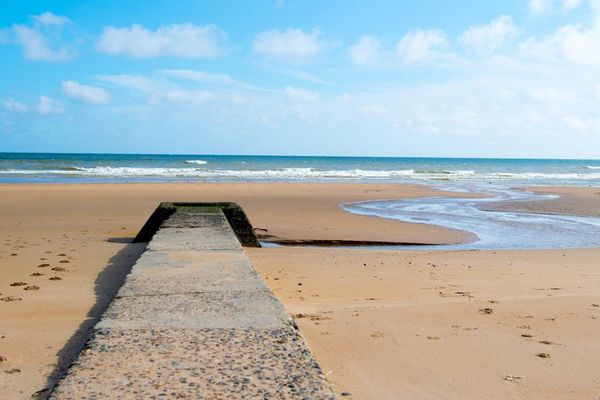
{"points": [[296, 173]]}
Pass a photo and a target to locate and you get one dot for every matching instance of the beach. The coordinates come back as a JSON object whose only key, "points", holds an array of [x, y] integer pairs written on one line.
{"points": [[300, 200], [382, 323]]}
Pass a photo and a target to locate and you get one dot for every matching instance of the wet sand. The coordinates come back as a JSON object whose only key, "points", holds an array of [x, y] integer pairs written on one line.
{"points": [[386, 324], [581, 201]]}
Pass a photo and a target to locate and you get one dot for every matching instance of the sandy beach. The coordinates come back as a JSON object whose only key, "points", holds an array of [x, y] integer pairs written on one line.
{"points": [[390, 202], [383, 324]]}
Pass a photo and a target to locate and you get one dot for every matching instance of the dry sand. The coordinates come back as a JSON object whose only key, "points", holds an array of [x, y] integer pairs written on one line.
{"points": [[446, 325], [387, 324]]}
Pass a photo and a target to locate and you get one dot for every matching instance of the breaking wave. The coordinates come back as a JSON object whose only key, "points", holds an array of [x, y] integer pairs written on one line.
{"points": [[297, 174]]}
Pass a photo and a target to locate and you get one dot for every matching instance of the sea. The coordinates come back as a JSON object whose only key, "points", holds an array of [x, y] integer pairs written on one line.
{"points": [[79, 168], [498, 180]]}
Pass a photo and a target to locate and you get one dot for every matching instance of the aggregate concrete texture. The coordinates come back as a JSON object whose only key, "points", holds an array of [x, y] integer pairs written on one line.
{"points": [[194, 320]]}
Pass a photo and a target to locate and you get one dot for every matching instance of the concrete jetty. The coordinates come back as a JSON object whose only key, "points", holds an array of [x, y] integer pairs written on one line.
{"points": [[194, 320]]}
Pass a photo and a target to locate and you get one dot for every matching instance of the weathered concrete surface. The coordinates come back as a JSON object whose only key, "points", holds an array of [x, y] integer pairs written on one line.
{"points": [[200, 310], [194, 320], [186, 272], [189, 239], [196, 364]]}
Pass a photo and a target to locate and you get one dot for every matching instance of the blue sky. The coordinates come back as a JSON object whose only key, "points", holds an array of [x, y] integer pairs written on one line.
{"points": [[499, 78]]}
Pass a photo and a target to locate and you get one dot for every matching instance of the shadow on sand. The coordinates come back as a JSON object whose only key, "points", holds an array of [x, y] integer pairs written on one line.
{"points": [[106, 285]]}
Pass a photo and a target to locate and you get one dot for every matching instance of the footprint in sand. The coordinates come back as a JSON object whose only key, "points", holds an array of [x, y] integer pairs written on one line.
{"points": [[513, 378], [31, 287], [18, 284], [55, 278], [43, 265], [9, 299], [59, 269], [549, 342], [543, 355], [12, 371], [64, 261], [36, 274]]}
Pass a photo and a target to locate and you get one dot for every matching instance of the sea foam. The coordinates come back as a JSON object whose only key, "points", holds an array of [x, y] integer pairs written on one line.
{"points": [[199, 162], [300, 173]]}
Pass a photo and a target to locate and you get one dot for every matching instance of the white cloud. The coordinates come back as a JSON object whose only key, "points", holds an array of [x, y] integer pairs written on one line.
{"points": [[551, 95], [14, 106], [421, 45], [300, 94], [291, 45], [49, 18], [36, 46], [569, 5], [365, 51], [181, 96], [194, 97], [595, 5], [87, 94], [491, 37], [177, 40], [209, 77], [464, 113], [135, 82], [574, 122], [166, 87], [302, 75], [48, 105], [571, 43], [546, 7], [540, 7]]}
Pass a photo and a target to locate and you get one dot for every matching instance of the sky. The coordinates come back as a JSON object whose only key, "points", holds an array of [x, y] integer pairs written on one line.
{"points": [[461, 78]]}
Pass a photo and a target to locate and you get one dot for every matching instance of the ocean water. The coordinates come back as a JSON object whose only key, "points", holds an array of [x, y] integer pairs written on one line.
{"points": [[492, 229], [64, 168], [500, 179]]}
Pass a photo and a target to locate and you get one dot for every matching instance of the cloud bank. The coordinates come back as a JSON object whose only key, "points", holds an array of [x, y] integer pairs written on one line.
{"points": [[291, 45], [87, 94], [176, 40]]}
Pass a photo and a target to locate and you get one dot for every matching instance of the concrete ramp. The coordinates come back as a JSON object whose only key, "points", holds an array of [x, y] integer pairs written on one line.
{"points": [[194, 320]]}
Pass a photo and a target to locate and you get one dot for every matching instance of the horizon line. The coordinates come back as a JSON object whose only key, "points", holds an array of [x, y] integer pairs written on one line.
{"points": [[300, 156]]}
